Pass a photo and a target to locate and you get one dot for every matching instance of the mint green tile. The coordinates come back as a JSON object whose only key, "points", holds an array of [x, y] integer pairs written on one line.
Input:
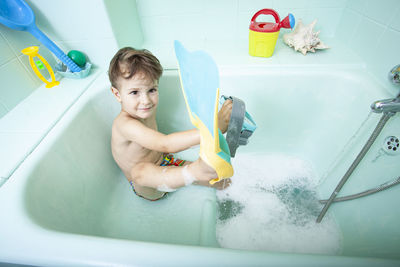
{"points": [[327, 20], [48, 56], [121, 13], [357, 5], [347, 26], [298, 13], [18, 40], [395, 21], [381, 11], [366, 38], [148, 8], [3, 181], [3, 110], [6, 54], [327, 3], [255, 5], [386, 55], [16, 84], [291, 4]]}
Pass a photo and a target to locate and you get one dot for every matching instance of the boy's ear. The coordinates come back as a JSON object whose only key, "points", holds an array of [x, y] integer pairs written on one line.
{"points": [[116, 93]]}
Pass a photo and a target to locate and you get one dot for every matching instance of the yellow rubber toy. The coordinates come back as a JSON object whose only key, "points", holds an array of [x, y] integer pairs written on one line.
{"points": [[33, 51]]}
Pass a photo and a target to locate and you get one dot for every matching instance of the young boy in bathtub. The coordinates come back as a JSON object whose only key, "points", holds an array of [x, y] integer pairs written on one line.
{"points": [[143, 153]]}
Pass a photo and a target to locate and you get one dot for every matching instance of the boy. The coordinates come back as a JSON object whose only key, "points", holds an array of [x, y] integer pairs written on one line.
{"points": [[137, 147]]}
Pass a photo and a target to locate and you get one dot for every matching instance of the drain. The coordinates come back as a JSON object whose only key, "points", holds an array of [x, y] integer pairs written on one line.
{"points": [[391, 145]]}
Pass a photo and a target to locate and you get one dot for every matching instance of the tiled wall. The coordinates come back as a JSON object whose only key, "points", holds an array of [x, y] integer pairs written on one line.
{"points": [[226, 20], [74, 24], [372, 29]]}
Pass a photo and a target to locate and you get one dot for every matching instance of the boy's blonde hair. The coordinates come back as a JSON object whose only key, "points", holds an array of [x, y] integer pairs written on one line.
{"points": [[129, 61]]}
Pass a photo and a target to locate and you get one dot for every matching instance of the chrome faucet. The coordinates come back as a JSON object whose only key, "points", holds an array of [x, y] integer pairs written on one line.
{"points": [[392, 105], [394, 74], [389, 106]]}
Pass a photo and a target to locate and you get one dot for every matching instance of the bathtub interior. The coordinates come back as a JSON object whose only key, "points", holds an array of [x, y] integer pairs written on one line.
{"points": [[77, 187]]}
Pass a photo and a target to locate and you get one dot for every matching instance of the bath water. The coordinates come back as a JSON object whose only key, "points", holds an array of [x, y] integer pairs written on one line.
{"points": [[272, 205]]}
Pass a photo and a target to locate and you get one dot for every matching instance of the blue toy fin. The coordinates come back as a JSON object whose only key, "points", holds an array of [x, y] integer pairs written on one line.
{"points": [[200, 86]]}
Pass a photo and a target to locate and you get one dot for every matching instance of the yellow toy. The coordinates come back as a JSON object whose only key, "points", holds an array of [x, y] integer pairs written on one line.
{"points": [[33, 51], [263, 35]]}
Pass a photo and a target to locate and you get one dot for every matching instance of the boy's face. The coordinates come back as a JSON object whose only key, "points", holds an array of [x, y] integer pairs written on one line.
{"points": [[138, 96]]}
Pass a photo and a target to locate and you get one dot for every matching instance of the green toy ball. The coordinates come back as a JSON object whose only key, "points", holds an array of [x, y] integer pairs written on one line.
{"points": [[78, 57]]}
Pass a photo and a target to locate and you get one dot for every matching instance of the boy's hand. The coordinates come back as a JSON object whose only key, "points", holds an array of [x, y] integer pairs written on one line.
{"points": [[224, 115]]}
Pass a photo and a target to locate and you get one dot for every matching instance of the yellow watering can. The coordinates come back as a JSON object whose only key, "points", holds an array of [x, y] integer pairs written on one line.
{"points": [[263, 35]]}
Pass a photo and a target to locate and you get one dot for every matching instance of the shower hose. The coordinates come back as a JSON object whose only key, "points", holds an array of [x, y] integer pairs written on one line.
{"points": [[365, 193], [385, 117]]}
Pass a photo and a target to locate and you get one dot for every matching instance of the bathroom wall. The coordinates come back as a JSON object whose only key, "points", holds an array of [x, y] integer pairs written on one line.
{"points": [[372, 29], [226, 20], [98, 27], [74, 24], [362, 32]]}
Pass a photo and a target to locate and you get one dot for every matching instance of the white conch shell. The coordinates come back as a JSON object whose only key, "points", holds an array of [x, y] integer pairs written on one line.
{"points": [[303, 38]]}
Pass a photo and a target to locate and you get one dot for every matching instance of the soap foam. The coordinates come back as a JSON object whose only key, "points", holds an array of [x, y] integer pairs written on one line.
{"points": [[187, 176], [272, 205], [165, 188]]}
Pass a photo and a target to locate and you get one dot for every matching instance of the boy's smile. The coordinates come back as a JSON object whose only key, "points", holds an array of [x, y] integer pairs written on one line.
{"points": [[138, 96]]}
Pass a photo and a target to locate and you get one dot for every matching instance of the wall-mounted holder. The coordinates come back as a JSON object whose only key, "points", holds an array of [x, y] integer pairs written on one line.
{"points": [[33, 51]]}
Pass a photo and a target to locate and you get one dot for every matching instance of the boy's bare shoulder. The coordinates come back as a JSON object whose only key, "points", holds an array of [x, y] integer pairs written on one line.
{"points": [[123, 121], [125, 127]]}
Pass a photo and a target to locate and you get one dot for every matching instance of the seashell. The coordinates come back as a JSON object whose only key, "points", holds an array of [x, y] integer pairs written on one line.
{"points": [[303, 38]]}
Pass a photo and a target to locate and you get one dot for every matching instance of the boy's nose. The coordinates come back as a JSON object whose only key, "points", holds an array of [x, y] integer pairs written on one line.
{"points": [[145, 99]]}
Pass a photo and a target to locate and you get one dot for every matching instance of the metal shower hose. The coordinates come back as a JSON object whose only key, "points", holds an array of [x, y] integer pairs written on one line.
{"points": [[385, 117]]}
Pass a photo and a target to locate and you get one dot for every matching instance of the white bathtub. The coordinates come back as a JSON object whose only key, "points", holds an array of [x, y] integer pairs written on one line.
{"points": [[69, 204]]}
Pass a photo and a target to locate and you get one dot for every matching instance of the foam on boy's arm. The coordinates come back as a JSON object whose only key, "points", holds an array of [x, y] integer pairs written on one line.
{"points": [[187, 176]]}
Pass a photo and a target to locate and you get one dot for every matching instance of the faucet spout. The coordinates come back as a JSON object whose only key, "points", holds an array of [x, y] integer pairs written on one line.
{"points": [[390, 106]]}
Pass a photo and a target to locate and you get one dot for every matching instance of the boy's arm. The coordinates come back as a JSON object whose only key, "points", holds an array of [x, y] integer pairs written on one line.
{"points": [[151, 139], [136, 131]]}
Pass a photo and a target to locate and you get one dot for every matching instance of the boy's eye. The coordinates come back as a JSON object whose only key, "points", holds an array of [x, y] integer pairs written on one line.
{"points": [[153, 90], [134, 93]]}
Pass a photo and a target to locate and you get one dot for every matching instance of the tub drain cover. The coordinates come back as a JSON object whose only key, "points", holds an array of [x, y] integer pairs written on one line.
{"points": [[391, 145]]}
